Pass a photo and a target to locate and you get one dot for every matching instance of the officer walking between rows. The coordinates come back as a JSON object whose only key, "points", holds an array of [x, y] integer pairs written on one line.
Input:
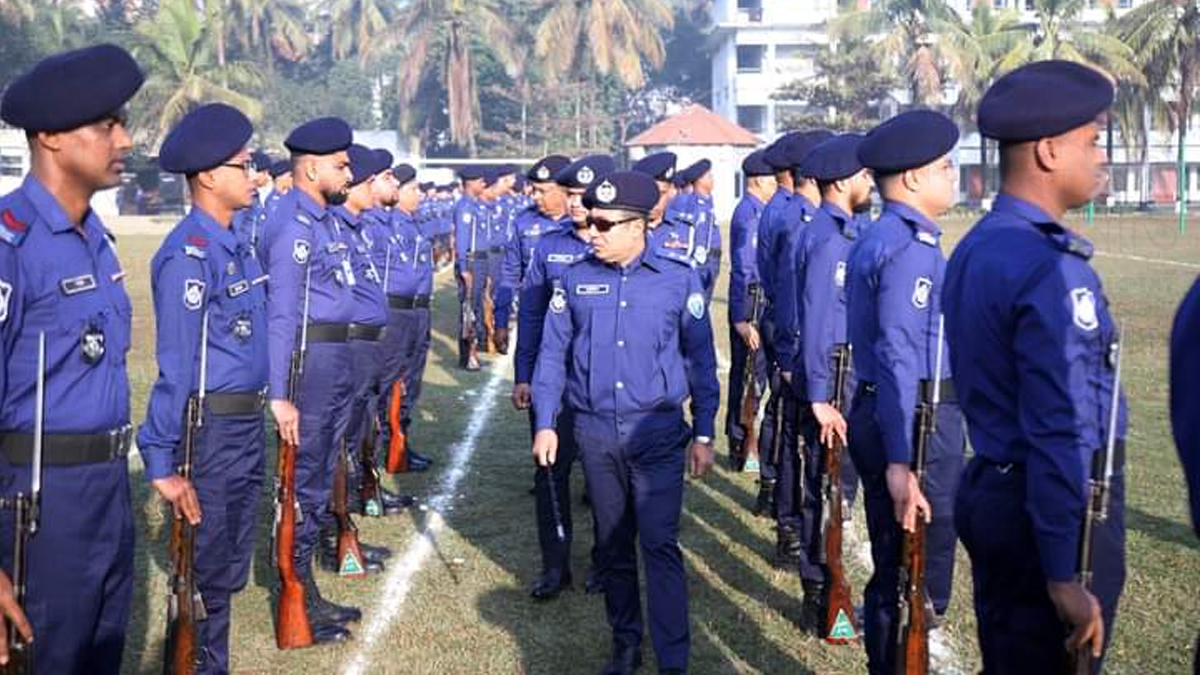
{"points": [[536, 221], [210, 301], [744, 335], [627, 341], [471, 242], [310, 267], [1033, 351], [894, 274]]}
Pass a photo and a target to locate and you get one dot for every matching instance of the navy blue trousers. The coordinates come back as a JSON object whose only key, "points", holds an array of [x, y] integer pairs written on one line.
{"points": [[325, 392], [1017, 622], [798, 490], [634, 468], [228, 466], [735, 431], [942, 471], [767, 470], [556, 555], [405, 350], [366, 368], [80, 582]]}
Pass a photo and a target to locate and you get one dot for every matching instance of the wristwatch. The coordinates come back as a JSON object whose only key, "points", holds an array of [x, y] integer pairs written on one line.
{"points": [[703, 440]]}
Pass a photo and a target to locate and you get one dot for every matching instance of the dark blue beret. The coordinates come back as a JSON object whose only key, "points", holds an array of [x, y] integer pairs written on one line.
{"points": [[545, 168], [385, 157], [659, 166], [204, 138], [69, 90], [491, 175], [631, 190], [471, 172], [1043, 99], [695, 171], [506, 169], [584, 171], [519, 182], [262, 161], [281, 167], [834, 159], [448, 187], [909, 140], [423, 187], [405, 173], [365, 163], [776, 154], [322, 136], [755, 165], [797, 150]]}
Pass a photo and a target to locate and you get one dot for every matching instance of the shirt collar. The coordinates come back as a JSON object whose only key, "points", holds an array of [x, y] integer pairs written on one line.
{"points": [[344, 214], [310, 205], [52, 212], [844, 221], [1062, 237], [222, 235], [923, 228]]}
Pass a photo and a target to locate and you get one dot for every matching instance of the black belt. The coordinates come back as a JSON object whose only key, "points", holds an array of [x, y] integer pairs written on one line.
{"points": [[242, 403], [408, 301], [496, 249], [365, 333], [68, 449], [948, 394], [477, 255], [328, 332]]}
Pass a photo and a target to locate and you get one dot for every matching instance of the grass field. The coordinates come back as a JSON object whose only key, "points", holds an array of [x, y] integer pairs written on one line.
{"points": [[467, 609]]}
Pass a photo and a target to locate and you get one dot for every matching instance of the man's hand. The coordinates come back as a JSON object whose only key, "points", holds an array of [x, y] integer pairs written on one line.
{"points": [[467, 279], [787, 376], [907, 498], [831, 422], [545, 447], [179, 491], [12, 614], [287, 418], [700, 458], [1080, 609], [749, 335], [521, 396]]}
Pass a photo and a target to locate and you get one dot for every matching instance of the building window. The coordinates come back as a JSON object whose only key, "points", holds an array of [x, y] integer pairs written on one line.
{"points": [[753, 118], [1124, 4], [750, 10], [1029, 5], [10, 165], [794, 60], [750, 58], [999, 4]]}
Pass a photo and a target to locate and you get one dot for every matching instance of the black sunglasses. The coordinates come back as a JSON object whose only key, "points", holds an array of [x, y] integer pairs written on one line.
{"points": [[602, 225], [246, 166]]}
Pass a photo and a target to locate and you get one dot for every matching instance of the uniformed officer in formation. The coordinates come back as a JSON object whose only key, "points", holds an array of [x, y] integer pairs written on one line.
{"points": [[1185, 414], [60, 277], [661, 167], [210, 301], [893, 278], [1033, 347], [503, 214], [744, 336], [648, 316], [311, 269], [472, 239]]}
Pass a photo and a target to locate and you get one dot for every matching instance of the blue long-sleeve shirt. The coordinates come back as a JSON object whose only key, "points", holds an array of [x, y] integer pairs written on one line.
{"points": [[743, 266]]}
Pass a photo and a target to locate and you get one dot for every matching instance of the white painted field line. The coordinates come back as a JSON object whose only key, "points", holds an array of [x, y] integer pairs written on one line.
{"points": [[1156, 261], [399, 578]]}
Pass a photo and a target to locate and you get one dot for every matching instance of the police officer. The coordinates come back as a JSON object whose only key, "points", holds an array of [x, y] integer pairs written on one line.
{"points": [[894, 273], [564, 243], [661, 167], [1185, 373], [547, 212], [210, 301], [506, 208], [403, 250], [310, 266], [706, 235], [820, 254], [744, 335], [471, 242], [366, 341], [1033, 345], [60, 277], [649, 315], [247, 222]]}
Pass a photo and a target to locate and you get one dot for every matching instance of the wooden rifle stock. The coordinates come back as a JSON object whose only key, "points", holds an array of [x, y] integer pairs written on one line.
{"points": [[751, 394], [349, 554], [839, 605], [397, 460], [292, 630], [368, 489], [20, 652], [466, 314], [916, 609], [489, 315], [184, 605]]}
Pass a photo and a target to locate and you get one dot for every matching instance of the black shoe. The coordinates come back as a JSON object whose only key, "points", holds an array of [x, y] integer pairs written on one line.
{"points": [[414, 456], [624, 661], [393, 503], [324, 633], [550, 584], [764, 506], [787, 549], [321, 610], [812, 610], [593, 585], [372, 552], [328, 560], [416, 465]]}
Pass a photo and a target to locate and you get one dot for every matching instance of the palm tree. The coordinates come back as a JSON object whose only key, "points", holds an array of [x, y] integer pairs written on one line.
{"points": [[272, 28], [1058, 33], [1165, 34], [354, 26], [178, 50], [441, 38], [585, 37]]}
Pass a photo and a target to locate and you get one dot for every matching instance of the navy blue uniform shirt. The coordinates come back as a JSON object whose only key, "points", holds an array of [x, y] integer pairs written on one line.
{"points": [[370, 304], [824, 249], [555, 252], [743, 263]]}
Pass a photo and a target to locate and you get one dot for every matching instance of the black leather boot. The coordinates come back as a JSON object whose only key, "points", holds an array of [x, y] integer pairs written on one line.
{"points": [[764, 506]]}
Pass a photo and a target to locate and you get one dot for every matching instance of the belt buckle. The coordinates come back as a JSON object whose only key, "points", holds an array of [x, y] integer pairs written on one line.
{"points": [[118, 440]]}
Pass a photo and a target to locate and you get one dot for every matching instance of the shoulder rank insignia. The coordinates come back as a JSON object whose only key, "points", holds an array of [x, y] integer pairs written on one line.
{"points": [[14, 230]]}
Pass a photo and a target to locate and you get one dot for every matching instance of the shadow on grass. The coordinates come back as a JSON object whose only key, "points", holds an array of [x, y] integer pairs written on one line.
{"points": [[1168, 531]]}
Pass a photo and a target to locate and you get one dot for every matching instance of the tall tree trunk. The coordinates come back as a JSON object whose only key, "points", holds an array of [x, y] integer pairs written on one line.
{"points": [[983, 169], [1146, 196], [578, 120]]}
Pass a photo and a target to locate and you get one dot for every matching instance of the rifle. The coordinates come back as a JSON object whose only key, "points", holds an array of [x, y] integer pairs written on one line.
{"points": [[489, 314], [466, 314], [368, 489], [397, 441], [916, 609], [751, 393], [349, 554], [185, 606], [839, 606], [292, 629], [27, 515], [1082, 661]]}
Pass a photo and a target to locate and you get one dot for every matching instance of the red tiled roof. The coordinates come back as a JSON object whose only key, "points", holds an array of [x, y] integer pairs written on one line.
{"points": [[695, 125]]}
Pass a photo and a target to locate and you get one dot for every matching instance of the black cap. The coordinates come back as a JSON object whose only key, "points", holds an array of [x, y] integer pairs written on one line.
{"points": [[909, 140], [1043, 99], [322, 136], [204, 138], [629, 190], [71, 89]]}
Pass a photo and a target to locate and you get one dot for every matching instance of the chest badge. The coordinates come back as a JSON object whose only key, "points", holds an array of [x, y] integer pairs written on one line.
{"points": [[558, 301], [300, 250], [920, 294], [193, 293], [242, 328], [5, 297], [839, 274], [695, 306], [1083, 308], [91, 345]]}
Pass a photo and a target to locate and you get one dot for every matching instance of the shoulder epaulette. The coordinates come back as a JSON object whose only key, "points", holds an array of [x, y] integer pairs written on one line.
{"points": [[196, 246], [14, 220], [676, 255]]}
